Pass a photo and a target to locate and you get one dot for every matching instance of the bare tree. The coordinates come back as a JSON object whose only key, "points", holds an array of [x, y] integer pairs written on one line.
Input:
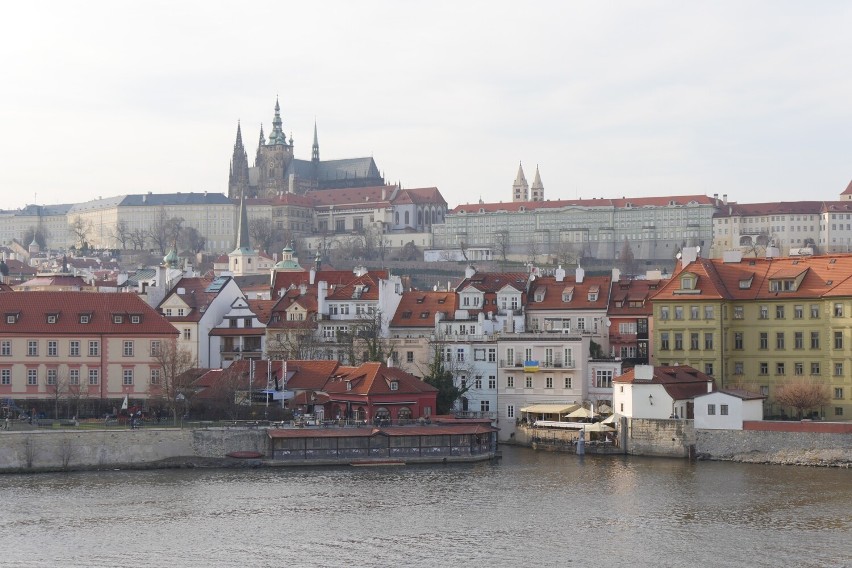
{"points": [[138, 238], [410, 252], [298, 340], [802, 395], [80, 229], [262, 233], [566, 253], [121, 233], [533, 250], [173, 361], [165, 230], [37, 234], [57, 388], [501, 247], [191, 240]]}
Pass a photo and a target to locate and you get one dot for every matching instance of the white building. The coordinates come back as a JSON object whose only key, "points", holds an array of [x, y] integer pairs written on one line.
{"points": [[646, 391], [727, 409]]}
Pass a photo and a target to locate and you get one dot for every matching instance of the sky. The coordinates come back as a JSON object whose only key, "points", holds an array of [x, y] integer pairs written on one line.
{"points": [[751, 99]]}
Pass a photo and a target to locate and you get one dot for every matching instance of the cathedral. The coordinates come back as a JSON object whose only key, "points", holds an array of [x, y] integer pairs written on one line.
{"points": [[276, 170]]}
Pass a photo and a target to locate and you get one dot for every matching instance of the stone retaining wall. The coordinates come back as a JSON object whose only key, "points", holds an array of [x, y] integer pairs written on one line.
{"points": [[663, 438], [768, 446]]}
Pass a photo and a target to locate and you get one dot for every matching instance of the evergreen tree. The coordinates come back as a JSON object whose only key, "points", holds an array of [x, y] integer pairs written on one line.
{"points": [[442, 379]]}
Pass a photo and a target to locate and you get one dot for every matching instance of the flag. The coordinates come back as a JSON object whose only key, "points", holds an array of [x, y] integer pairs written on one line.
{"points": [[124, 404]]}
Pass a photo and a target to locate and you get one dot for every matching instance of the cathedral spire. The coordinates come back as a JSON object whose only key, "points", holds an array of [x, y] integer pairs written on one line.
{"points": [[520, 189], [277, 135], [238, 179], [537, 189], [315, 151], [243, 229]]}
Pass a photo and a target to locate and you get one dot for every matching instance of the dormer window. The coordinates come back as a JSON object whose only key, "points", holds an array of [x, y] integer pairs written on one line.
{"points": [[84, 318], [745, 283], [135, 318], [117, 318], [394, 385], [687, 282], [52, 318], [349, 385], [11, 318]]}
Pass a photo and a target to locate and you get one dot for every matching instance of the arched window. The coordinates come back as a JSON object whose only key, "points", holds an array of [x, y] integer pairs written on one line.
{"points": [[396, 218], [406, 218], [404, 413], [419, 216]]}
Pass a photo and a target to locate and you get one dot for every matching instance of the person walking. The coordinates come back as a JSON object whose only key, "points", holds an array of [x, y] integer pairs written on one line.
{"points": [[6, 423]]}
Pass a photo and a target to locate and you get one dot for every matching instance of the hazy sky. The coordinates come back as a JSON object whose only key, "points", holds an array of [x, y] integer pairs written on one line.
{"points": [[752, 99]]}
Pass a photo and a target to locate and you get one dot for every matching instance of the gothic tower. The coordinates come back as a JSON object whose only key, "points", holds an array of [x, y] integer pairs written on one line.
{"points": [[520, 189], [238, 181], [274, 159], [537, 189]]}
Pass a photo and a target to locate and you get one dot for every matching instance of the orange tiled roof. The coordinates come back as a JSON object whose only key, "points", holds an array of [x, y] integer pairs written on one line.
{"points": [[682, 382], [375, 378], [418, 308], [553, 292]]}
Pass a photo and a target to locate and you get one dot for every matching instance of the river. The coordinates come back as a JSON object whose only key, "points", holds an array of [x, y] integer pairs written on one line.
{"points": [[529, 509]]}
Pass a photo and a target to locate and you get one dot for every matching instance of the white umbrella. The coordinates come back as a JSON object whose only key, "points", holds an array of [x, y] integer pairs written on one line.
{"points": [[609, 419], [605, 409], [599, 427], [581, 413]]}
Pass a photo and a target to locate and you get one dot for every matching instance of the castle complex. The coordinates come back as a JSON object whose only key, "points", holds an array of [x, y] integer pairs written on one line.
{"points": [[277, 171]]}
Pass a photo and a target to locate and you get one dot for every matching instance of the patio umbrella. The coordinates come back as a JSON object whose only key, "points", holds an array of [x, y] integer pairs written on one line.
{"points": [[609, 419], [581, 413], [605, 409]]}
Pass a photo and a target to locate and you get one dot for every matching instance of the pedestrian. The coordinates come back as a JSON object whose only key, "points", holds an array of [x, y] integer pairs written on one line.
{"points": [[6, 423]]}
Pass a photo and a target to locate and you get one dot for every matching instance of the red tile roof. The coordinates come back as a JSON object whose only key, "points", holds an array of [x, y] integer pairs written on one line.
{"points": [[375, 378], [418, 309], [553, 292], [680, 382], [627, 291], [32, 309], [194, 295]]}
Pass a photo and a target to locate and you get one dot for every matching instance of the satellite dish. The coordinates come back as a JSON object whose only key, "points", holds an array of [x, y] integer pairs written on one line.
{"points": [[677, 256], [532, 277], [698, 249]]}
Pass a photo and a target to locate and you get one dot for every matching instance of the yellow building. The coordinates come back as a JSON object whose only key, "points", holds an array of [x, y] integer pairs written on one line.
{"points": [[762, 323]]}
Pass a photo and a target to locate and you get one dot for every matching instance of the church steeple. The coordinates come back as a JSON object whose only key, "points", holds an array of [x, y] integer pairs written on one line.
{"points": [[243, 228], [315, 149], [537, 189], [238, 180], [520, 189], [277, 135]]}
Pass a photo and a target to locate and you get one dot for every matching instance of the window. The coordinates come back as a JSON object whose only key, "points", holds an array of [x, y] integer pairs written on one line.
{"points": [[51, 318], [5, 376], [10, 318], [529, 382], [74, 376], [492, 382], [838, 310], [838, 340], [32, 377], [838, 411], [709, 312], [798, 312], [128, 349], [492, 355], [664, 313], [394, 385], [84, 318], [815, 368], [838, 369], [409, 356], [678, 341], [779, 369], [484, 406], [814, 340], [693, 341], [568, 381], [678, 314], [664, 341], [52, 348], [764, 390], [738, 367], [779, 340], [814, 311], [135, 319], [548, 382], [708, 341], [460, 354], [510, 411], [764, 312], [738, 312], [798, 340], [94, 350], [738, 340], [763, 342], [94, 376], [603, 379], [155, 376], [155, 348], [510, 382], [6, 348], [694, 312], [32, 348], [799, 368], [127, 377], [117, 318], [764, 368], [708, 368], [723, 409], [711, 410], [477, 382], [838, 392], [779, 312], [187, 333]]}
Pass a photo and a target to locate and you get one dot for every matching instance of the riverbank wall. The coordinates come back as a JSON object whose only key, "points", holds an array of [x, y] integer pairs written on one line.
{"points": [[95, 449], [788, 443]]}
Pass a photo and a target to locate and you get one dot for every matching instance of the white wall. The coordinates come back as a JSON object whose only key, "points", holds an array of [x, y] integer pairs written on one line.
{"points": [[718, 421]]}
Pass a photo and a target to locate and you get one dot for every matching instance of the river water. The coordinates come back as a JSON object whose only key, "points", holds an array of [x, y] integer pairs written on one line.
{"points": [[529, 509]]}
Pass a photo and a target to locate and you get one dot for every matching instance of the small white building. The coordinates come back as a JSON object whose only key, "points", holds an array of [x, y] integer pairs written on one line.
{"points": [[652, 392], [727, 409]]}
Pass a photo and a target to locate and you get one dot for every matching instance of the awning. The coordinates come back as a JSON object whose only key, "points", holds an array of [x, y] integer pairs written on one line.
{"points": [[550, 408], [581, 413]]}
